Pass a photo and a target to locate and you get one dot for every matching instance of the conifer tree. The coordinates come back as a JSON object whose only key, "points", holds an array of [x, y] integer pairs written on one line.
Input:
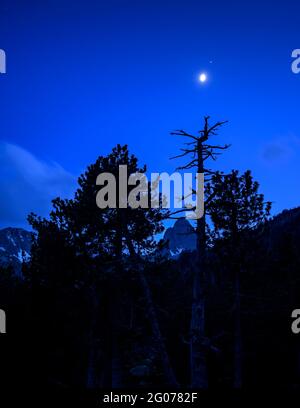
{"points": [[235, 209], [112, 241]]}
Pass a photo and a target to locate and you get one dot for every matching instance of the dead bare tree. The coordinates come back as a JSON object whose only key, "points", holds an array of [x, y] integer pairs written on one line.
{"points": [[199, 151]]}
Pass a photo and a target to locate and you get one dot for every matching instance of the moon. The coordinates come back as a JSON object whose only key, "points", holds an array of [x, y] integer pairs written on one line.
{"points": [[202, 77]]}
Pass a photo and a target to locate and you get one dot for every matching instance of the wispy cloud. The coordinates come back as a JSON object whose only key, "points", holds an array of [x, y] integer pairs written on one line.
{"points": [[29, 184], [280, 149], [276, 151]]}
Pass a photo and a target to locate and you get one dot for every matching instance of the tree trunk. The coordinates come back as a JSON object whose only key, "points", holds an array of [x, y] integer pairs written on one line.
{"points": [[158, 338], [198, 347], [237, 380], [115, 357], [200, 152], [91, 377], [116, 366]]}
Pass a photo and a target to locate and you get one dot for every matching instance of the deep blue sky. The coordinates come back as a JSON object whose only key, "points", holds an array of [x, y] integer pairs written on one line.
{"points": [[84, 75]]}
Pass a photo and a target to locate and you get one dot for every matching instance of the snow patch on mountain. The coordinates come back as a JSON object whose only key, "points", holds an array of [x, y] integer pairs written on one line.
{"points": [[15, 246], [180, 238]]}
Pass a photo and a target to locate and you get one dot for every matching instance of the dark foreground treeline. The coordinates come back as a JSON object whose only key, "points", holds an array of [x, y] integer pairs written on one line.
{"points": [[100, 306]]}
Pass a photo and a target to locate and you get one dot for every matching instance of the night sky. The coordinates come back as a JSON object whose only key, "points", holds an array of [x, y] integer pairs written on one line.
{"points": [[85, 75]]}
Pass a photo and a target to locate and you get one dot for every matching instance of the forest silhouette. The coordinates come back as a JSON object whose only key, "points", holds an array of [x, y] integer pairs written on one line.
{"points": [[100, 305]]}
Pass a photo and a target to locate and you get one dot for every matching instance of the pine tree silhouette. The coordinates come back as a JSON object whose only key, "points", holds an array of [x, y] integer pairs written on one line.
{"points": [[107, 241], [236, 207]]}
